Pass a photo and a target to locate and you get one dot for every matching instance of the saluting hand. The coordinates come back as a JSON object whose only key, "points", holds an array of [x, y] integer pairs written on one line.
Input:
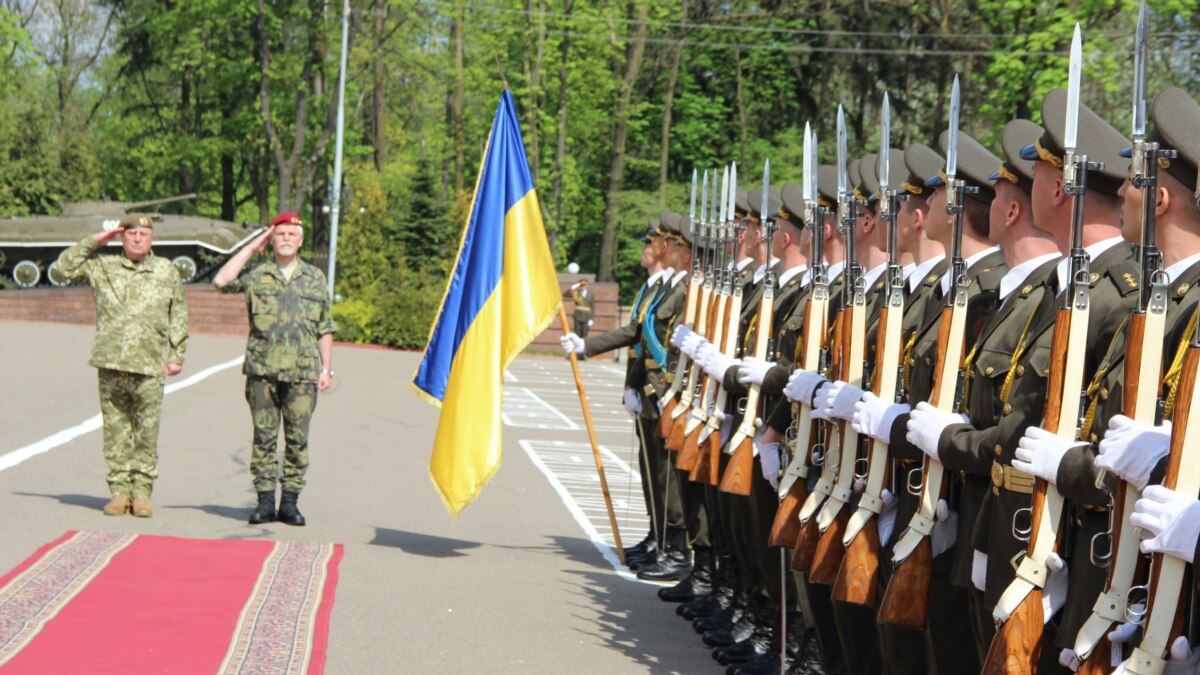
{"points": [[260, 243], [108, 235]]}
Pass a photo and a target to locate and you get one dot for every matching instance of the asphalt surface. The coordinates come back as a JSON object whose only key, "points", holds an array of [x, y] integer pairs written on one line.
{"points": [[523, 581]]}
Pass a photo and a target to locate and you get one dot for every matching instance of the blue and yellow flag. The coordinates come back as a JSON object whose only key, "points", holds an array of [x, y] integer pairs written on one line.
{"points": [[502, 294]]}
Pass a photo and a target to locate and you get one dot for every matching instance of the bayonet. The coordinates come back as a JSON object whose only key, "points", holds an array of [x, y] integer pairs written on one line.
{"points": [[885, 132]]}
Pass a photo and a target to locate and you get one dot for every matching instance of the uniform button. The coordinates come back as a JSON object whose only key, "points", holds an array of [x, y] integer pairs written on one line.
{"points": [[998, 450], [989, 370], [1020, 371], [1007, 408]]}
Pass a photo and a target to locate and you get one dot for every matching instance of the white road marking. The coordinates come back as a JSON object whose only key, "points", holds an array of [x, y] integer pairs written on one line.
{"points": [[11, 459]]}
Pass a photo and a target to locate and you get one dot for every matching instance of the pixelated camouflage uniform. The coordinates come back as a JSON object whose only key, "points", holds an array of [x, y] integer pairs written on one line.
{"points": [[282, 365], [141, 325]]}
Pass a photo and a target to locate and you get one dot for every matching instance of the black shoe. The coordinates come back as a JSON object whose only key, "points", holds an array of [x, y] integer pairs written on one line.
{"points": [[289, 513], [759, 643], [674, 561], [767, 664], [646, 545], [737, 631], [265, 512], [705, 606], [697, 584], [647, 559]]}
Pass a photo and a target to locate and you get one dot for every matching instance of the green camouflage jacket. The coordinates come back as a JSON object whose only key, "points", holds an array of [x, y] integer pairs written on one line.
{"points": [[286, 320], [141, 315]]}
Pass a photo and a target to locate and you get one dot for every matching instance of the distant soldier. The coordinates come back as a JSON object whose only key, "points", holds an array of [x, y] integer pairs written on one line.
{"points": [[141, 334], [289, 359], [585, 306]]}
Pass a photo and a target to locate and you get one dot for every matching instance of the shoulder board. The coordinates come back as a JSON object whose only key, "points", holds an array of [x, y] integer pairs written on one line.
{"points": [[1123, 275], [990, 277]]}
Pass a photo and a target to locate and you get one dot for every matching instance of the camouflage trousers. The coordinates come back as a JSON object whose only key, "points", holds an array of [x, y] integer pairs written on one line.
{"points": [[294, 402], [131, 406]]}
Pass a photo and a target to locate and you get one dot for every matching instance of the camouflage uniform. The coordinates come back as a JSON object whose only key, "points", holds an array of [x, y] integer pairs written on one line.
{"points": [[282, 365], [141, 325]]}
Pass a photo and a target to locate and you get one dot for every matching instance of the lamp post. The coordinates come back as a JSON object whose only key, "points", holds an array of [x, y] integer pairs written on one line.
{"points": [[335, 205]]}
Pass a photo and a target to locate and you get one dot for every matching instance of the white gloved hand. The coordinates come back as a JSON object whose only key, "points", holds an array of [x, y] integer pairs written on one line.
{"points": [[945, 530], [704, 350], [874, 417], [1131, 450], [843, 396], [571, 344], [1068, 659], [820, 410], [885, 522], [1171, 519], [691, 343], [1184, 659], [926, 424], [590, 322], [576, 285], [1054, 593], [752, 370], [677, 336], [661, 403], [633, 404], [768, 455], [1125, 631], [717, 363], [802, 386], [979, 569], [1039, 453]]}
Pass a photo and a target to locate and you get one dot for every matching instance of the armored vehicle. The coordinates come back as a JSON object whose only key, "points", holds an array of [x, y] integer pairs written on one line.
{"points": [[29, 246]]}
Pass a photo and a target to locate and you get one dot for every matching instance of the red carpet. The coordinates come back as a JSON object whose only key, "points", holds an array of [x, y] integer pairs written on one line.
{"points": [[113, 603]]}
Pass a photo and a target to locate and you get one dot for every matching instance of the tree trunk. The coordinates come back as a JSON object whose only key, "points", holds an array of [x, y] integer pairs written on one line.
{"points": [[616, 170], [743, 122], [668, 103], [379, 140], [533, 75], [560, 152], [456, 36]]}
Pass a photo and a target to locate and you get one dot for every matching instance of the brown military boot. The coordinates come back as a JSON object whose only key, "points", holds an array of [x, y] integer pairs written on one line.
{"points": [[142, 508], [117, 506]]}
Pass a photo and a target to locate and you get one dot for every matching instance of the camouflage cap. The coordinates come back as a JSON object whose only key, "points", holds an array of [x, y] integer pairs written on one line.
{"points": [[1015, 168], [1096, 138], [136, 220]]}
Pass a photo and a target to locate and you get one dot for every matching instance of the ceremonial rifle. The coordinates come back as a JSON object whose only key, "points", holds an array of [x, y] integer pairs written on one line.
{"points": [[693, 423], [708, 467], [835, 514], [1118, 548], [906, 600], [689, 318], [739, 472], [826, 438], [1017, 644], [695, 379], [856, 580], [793, 487]]}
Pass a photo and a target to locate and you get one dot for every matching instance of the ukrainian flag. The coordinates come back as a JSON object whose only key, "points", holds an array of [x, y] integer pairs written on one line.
{"points": [[502, 294]]}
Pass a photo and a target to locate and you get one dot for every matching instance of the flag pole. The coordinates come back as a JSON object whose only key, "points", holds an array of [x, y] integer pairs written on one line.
{"points": [[591, 430]]}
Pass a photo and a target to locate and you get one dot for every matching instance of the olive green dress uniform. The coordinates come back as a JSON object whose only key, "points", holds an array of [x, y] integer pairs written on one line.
{"points": [[950, 645], [141, 325], [282, 366], [585, 305]]}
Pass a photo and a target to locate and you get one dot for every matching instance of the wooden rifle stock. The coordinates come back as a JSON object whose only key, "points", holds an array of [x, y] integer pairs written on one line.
{"points": [[786, 528], [827, 559], [689, 448], [806, 546], [739, 471], [687, 441], [1017, 644], [708, 464], [857, 578]]}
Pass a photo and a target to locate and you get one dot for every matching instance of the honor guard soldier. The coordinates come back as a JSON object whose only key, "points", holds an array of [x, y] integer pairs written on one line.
{"points": [[585, 306]]}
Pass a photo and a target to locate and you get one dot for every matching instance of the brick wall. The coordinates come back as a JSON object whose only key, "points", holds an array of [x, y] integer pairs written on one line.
{"points": [[208, 311]]}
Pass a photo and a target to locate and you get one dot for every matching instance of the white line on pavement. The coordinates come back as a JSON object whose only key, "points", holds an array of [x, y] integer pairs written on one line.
{"points": [[11, 459]]}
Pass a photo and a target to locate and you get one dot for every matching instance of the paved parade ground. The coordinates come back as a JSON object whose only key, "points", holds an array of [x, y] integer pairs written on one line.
{"points": [[523, 581]]}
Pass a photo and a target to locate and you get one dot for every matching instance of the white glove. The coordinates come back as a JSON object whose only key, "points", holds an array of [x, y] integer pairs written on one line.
{"points": [[691, 344], [590, 322], [802, 386], [752, 370], [1039, 452], [1131, 449], [885, 522], [661, 403], [1185, 659], [768, 455], [1171, 518], [926, 424], [575, 285], [1054, 593], [874, 417], [716, 365], [1068, 659], [681, 331], [820, 410], [571, 344], [633, 404], [703, 350], [1125, 631], [843, 396], [979, 569], [945, 530]]}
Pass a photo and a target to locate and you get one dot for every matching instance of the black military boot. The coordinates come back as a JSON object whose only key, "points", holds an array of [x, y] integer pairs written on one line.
{"points": [[288, 512], [762, 640], [265, 512], [641, 548], [674, 562], [697, 584], [719, 597], [724, 618], [742, 628]]}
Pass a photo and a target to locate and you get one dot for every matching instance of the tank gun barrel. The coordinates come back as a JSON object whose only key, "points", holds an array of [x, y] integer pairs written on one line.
{"points": [[129, 206]]}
